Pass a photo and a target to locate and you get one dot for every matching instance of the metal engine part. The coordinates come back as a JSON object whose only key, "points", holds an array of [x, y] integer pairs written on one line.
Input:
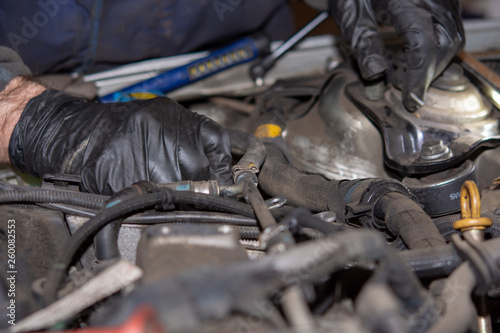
{"points": [[39, 235], [197, 275], [454, 112], [439, 193], [335, 138], [163, 248]]}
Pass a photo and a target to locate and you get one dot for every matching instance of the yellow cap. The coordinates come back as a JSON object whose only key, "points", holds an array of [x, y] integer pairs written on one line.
{"points": [[268, 131]]}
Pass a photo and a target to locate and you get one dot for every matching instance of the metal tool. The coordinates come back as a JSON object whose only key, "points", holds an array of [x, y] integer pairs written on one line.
{"points": [[473, 225], [242, 51], [260, 69]]}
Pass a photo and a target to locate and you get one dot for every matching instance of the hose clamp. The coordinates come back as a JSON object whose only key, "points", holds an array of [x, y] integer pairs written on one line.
{"points": [[372, 192]]}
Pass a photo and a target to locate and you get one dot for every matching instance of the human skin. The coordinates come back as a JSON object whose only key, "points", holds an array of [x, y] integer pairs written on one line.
{"points": [[13, 100]]}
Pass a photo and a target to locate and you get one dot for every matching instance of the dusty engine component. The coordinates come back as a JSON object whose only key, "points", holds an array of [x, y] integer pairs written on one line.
{"points": [[335, 138], [347, 214], [169, 250], [455, 114], [35, 236]]}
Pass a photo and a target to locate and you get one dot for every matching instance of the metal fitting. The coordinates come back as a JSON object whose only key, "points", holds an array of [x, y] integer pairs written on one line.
{"points": [[470, 204], [434, 149]]}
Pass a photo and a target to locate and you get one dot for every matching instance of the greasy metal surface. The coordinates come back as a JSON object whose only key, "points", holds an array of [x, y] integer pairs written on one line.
{"points": [[168, 250], [451, 107], [335, 138], [405, 133]]}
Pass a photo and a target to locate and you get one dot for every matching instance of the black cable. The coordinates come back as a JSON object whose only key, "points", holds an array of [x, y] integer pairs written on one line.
{"points": [[165, 197], [106, 240], [71, 210], [435, 262], [164, 217], [445, 225], [87, 230], [313, 100], [211, 202], [304, 219], [51, 196], [191, 217]]}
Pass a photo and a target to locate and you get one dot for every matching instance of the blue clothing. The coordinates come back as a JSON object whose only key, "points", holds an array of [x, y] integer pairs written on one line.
{"points": [[56, 35]]}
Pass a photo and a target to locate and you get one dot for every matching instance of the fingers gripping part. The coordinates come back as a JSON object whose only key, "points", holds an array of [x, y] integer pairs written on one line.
{"points": [[432, 32], [358, 23], [217, 149], [156, 140]]}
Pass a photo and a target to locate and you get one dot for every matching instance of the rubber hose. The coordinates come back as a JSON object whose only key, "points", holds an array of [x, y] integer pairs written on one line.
{"points": [[130, 206], [393, 272], [87, 230], [211, 202], [106, 240], [192, 217], [51, 196], [404, 282], [445, 225], [441, 261], [305, 219], [402, 215], [436, 262], [255, 151], [164, 217], [26, 188], [406, 218], [277, 178]]}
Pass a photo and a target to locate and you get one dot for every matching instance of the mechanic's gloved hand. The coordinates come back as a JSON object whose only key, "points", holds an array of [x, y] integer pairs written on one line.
{"points": [[432, 32], [114, 145], [11, 65]]}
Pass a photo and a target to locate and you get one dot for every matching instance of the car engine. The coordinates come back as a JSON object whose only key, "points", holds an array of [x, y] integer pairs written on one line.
{"points": [[347, 213]]}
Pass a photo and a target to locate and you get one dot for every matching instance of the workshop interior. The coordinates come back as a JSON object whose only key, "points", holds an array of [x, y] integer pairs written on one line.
{"points": [[346, 212]]}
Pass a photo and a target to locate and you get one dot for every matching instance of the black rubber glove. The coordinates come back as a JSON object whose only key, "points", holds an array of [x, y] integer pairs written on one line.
{"points": [[114, 145], [11, 65], [431, 30]]}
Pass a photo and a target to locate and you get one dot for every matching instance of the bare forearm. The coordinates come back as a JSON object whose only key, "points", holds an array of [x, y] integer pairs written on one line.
{"points": [[13, 99]]}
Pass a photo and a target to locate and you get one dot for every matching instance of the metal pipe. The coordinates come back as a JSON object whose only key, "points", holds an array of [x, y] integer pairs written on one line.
{"points": [[254, 198], [293, 302], [472, 226]]}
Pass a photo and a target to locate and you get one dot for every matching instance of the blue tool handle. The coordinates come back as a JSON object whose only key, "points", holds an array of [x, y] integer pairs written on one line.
{"points": [[242, 51]]}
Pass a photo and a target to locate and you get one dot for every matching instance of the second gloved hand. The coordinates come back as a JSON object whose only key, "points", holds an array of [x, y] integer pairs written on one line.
{"points": [[114, 145], [431, 30]]}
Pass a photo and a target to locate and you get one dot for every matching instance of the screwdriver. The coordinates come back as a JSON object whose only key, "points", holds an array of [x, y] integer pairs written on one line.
{"points": [[260, 69], [241, 51]]}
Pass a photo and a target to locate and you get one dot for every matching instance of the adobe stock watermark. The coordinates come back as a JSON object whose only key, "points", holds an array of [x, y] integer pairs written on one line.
{"points": [[223, 6], [32, 25]]}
